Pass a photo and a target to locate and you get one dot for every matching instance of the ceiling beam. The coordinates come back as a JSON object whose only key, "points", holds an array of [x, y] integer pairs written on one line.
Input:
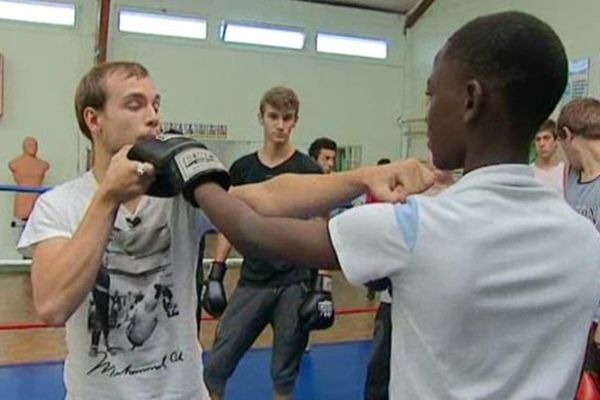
{"points": [[102, 35], [415, 14], [354, 5]]}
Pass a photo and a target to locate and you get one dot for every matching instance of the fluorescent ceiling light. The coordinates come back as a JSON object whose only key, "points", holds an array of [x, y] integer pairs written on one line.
{"points": [[162, 24], [262, 35], [38, 11], [351, 46]]}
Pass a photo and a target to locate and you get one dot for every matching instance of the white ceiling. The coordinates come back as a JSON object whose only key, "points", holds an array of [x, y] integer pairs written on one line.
{"points": [[394, 6]]}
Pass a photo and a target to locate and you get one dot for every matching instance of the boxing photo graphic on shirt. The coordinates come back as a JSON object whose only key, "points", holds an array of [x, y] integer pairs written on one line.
{"points": [[133, 297]]}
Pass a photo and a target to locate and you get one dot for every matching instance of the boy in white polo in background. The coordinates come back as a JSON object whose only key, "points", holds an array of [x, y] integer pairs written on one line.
{"points": [[548, 166]]}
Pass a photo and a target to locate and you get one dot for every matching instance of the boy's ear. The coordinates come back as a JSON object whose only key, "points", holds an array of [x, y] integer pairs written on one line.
{"points": [[474, 101], [568, 133]]}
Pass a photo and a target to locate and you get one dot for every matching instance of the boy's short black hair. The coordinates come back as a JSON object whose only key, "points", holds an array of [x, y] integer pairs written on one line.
{"points": [[321, 143], [173, 131], [521, 56]]}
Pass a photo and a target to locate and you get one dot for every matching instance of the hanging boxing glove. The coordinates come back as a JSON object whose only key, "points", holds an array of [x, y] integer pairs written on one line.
{"points": [[379, 285], [214, 298], [317, 312]]}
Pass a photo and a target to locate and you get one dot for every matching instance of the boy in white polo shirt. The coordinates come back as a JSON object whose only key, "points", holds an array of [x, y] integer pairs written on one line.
{"points": [[495, 280], [548, 166]]}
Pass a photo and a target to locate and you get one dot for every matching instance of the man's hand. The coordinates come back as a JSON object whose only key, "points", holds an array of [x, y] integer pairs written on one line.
{"points": [[124, 179], [392, 183]]}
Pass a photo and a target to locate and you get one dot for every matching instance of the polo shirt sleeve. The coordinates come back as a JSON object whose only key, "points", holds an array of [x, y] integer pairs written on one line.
{"points": [[375, 240]]}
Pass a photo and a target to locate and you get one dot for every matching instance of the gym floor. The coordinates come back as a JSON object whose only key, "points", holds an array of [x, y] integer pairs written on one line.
{"points": [[333, 371]]}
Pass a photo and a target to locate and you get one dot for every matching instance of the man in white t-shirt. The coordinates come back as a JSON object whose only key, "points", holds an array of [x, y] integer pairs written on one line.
{"points": [[548, 166], [117, 267], [495, 279]]}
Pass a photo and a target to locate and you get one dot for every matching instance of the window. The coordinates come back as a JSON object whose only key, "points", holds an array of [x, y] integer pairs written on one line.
{"points": [[38, 11], [162, 24], [263, 35], [351, 46]]}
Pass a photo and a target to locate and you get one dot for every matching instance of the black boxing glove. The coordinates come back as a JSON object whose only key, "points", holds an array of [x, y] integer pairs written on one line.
{"points": [[214, 298], [181, 165], [317, 312]]}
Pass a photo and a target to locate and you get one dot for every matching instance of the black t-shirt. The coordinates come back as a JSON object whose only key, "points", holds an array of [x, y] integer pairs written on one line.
{"points": [[258, 272]]}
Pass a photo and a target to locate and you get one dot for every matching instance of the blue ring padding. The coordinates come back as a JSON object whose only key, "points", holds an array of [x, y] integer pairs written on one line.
{"points": [[23, 188]]}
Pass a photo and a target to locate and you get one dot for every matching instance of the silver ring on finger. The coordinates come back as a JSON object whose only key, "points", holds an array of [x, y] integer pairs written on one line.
{"points": [[140, 169]]}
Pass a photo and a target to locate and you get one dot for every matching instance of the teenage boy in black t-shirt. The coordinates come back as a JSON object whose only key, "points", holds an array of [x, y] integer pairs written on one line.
{"points": [[269, 291]]}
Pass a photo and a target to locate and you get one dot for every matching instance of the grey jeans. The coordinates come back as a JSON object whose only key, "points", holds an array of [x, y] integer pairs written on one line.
{"points": [[249, 311]]}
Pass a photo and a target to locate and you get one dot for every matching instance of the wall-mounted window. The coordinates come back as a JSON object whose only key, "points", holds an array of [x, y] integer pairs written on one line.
{"points": [[348, 157], [351, 46], [154, 23], [38, 11], [262, 35]]}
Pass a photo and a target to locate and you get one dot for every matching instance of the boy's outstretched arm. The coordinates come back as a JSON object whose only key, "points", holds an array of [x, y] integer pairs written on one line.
{"points": [[311, 195], [303, 242]]}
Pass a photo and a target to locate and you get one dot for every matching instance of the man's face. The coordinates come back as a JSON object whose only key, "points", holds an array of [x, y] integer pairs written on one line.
{"points": [[545, 144], [131, 111], [277, 124], [326, 160], [446, 129]]}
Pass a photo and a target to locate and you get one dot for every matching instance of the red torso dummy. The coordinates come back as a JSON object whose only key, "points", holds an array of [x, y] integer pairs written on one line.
{"points": [[27, 170]]}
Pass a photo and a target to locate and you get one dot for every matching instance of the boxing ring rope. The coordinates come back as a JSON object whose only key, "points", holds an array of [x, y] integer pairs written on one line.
{"points": [[16, 326], [20, 189], [230, 262], [23, 188]]}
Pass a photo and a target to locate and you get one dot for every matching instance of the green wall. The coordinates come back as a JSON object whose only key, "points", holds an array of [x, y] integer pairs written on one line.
{"points": [[41, 66], [355, 101], [575, 21]]}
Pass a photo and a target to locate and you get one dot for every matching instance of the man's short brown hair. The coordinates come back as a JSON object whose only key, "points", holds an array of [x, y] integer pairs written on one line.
{"points": [[548, 126], [281, 98], [91, 91], [581, 117]]}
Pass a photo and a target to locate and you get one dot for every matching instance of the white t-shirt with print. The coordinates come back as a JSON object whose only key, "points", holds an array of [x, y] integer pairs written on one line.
{"points": [[495, 282], [135, 335]]}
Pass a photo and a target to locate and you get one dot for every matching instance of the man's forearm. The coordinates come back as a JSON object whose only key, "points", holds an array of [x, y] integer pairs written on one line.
{"points": [[64, 273], [302, 196]]}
